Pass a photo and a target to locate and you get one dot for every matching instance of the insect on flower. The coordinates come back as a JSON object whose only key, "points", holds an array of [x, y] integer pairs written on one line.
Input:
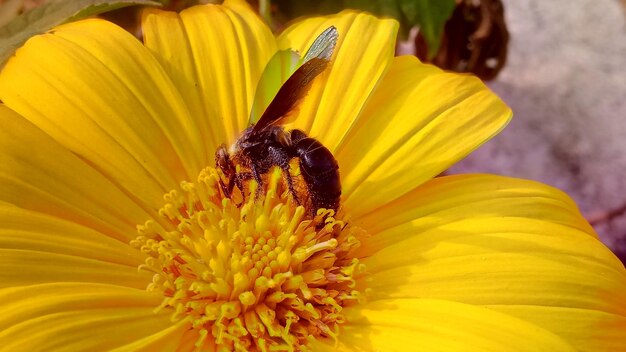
{"points": [[266, 144]]}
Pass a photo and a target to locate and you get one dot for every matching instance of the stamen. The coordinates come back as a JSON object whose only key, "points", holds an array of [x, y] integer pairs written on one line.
{"points": [[253, 275]]}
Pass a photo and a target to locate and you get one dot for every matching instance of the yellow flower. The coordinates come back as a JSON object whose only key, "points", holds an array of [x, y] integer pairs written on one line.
{"points": [[115, 234]]}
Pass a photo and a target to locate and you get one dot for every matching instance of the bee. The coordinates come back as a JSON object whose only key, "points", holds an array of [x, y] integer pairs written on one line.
{"points": [[267, 144]]}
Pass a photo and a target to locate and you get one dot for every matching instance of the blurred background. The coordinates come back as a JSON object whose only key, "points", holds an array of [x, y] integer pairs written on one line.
{"points": [[560, 65]]}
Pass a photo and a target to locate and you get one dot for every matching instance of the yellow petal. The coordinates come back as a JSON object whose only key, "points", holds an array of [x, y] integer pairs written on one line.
{"points": [[168, 339], [215, 55], [364, 50], [588, 330], [493, 240], [77, 317], [38, 174], [27, 267], [454, 198], [419, 121], [24, 303], [497, 242], [29, 230], [97, 91], [437, 325]]}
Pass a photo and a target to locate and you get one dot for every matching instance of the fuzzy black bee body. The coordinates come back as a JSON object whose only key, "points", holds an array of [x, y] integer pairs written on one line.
{"points": [[266, 144]]}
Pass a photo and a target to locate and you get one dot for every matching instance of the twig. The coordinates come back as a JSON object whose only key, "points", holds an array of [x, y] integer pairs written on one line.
{"points": [[265, 10], [605, 216]]}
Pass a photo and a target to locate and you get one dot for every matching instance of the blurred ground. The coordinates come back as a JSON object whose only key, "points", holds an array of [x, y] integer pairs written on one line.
{"points": [[565, 79]]}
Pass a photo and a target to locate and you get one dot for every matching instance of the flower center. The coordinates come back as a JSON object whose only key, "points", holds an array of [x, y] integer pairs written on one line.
{"points": [[251, 275]]}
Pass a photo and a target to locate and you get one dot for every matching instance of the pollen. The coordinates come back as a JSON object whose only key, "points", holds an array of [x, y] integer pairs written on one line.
{"points": [[257, 274]]}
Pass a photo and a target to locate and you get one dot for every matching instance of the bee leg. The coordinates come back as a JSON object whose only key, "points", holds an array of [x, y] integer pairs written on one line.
{"points": [[238, 180], [259, 181], [280, 157], [225, 164], [290, 185], [227, 189]]}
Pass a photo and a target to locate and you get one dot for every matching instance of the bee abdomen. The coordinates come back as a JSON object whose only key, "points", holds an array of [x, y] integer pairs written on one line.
{"points": [[321, 173]]}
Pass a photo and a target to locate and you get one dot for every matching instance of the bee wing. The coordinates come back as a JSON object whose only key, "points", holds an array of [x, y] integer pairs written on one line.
{"points": [[323, 45], [297, 86], [288, 96], [280, 67]]}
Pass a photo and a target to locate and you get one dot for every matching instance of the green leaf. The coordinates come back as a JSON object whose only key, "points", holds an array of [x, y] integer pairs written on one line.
{"points": [[51, 14], [429, 15], [277, 71]]}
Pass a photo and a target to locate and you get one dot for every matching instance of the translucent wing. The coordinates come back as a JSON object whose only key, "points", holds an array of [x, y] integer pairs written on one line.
{"points": [[297, 86], [323, 45]]}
